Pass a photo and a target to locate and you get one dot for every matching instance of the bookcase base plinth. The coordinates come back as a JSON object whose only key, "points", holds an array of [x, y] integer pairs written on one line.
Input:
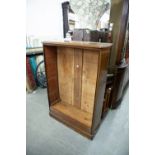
{"points": [[73, 124]]}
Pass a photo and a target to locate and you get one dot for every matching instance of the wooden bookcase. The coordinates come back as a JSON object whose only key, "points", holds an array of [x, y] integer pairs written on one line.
{"points": [[76, 77]]}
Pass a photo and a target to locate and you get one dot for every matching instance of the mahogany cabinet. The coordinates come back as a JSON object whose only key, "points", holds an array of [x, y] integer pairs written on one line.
{"points": [[76, 77]]}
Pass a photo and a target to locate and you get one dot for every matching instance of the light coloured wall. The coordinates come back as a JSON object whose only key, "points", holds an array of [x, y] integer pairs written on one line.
{"points": [[44, 19]]}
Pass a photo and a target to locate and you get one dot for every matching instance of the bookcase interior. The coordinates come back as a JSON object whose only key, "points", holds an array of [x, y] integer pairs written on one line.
{"points": [[72, 76]]}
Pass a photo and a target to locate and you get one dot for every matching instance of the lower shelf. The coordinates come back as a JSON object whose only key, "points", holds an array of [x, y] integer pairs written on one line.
{"points": [[73, 117], [73, 112]]}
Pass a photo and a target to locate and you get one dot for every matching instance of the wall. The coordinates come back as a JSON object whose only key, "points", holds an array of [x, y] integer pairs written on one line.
{"points": [[44, 19]]}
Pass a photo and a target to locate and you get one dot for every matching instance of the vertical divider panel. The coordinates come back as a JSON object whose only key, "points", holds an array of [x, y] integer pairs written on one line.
{"points": [[78, 56]]}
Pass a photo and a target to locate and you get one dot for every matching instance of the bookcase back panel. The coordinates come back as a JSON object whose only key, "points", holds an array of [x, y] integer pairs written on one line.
{"points": [[78, 64], [66, 74], [77, 75], [89, 77]]}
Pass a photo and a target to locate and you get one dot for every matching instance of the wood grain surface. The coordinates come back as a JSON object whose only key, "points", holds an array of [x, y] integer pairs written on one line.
{"points": [[89, 77], [75, 113], [50, 55], [78, 44], [100, 88], [76, 80], [78, 64], [66, 74]]}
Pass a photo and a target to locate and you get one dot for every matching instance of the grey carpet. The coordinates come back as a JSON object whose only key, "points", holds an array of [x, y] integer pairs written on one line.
{"points": [[46, 136]]}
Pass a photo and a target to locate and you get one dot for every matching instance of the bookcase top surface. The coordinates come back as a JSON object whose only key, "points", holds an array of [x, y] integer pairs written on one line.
{"points": [[78, 44]]}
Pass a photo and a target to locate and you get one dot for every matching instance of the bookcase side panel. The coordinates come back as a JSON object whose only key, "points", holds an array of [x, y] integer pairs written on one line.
{"points": [[100, 88], [50, 54]]}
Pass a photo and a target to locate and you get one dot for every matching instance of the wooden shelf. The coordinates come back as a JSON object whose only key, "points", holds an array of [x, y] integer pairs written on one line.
{"points": [[74, 113]]}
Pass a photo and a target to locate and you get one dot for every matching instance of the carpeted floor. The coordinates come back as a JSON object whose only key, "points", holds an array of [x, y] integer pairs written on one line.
{"points": [[46, 136]]}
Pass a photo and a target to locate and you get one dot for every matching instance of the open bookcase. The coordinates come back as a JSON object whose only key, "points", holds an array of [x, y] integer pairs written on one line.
{"points": [[76, 78]]}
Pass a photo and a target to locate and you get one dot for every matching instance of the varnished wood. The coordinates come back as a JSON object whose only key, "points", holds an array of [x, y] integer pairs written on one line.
{"points": [[79, 44], [78, 75], [119, 17], [78, 65], [74, 113], [90, 65], [120, 81], [100, 88], [72, 123], [66, 74], [106, 103], [123, 25], [50, 56]]}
